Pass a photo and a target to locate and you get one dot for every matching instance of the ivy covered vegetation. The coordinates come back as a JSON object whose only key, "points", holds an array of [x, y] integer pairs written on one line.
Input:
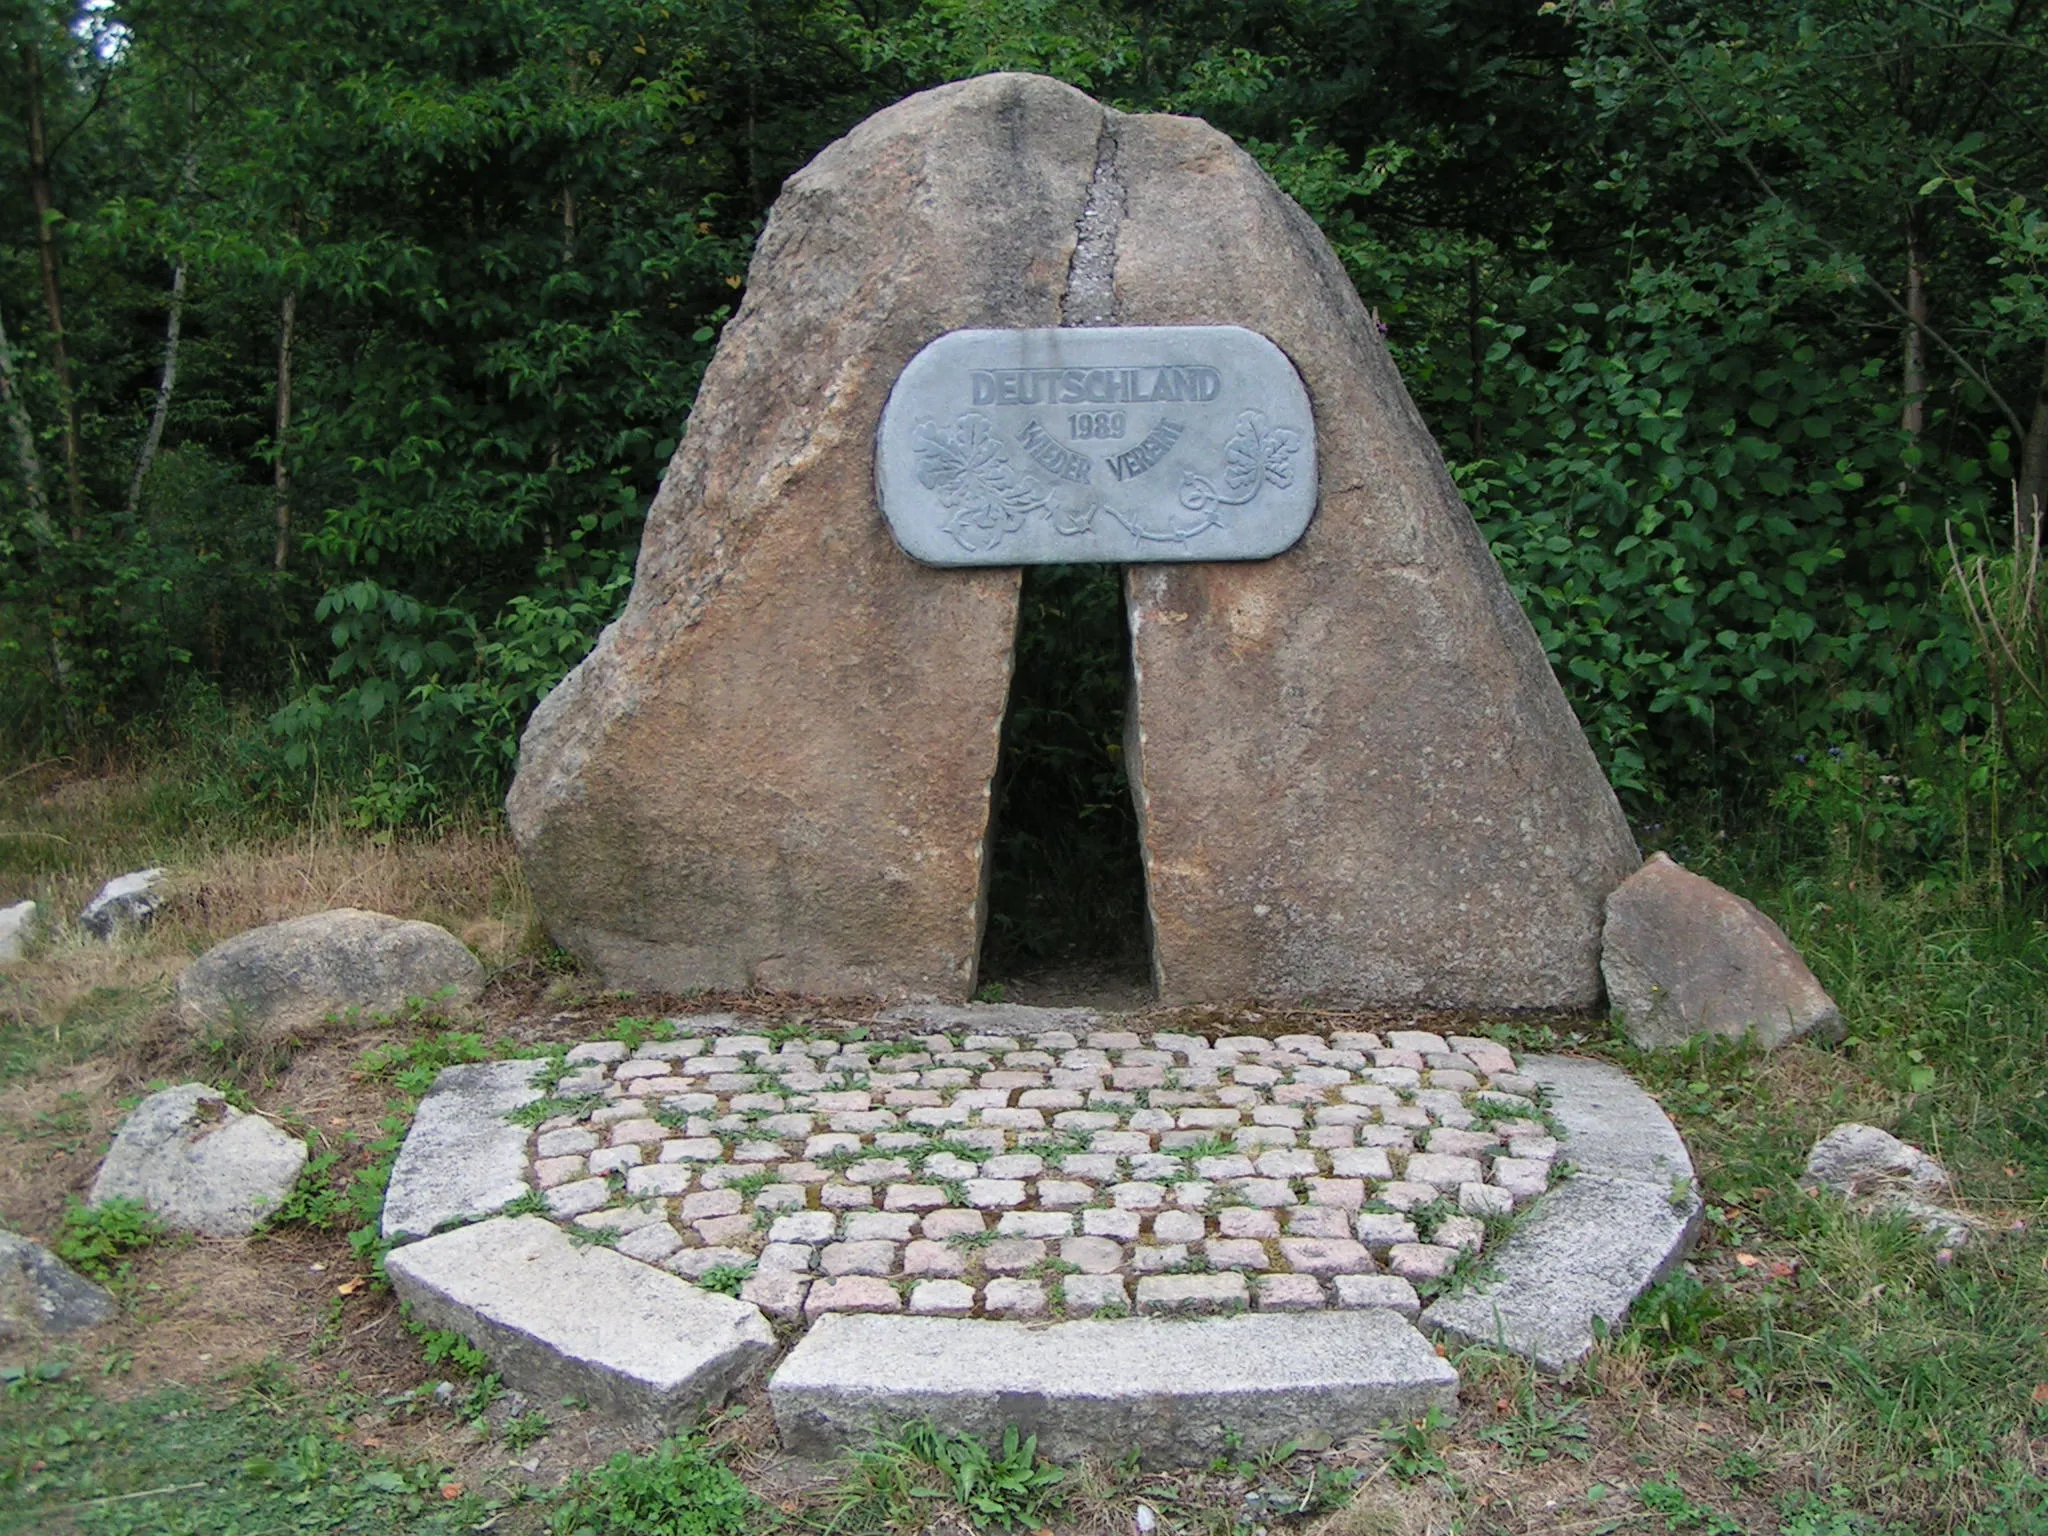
{"points": [[344, 347]]}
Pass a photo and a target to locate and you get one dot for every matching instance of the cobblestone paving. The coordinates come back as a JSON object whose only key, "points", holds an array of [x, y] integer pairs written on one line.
{"points": [[1082, 1174]]}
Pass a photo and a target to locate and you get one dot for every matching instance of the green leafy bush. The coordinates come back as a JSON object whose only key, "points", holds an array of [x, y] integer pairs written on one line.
{"points": [[674, 1490], [94, 1238]]}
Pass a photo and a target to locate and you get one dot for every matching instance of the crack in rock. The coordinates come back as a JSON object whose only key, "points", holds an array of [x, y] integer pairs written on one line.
{"points": [[1090, 297]]}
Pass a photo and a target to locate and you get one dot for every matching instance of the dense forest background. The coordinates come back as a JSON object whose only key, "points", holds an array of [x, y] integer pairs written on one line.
{"points": [[344, 347]]}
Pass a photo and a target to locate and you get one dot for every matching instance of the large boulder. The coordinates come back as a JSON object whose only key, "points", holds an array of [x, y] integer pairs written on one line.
{"points": [[1357, 777], [774, 769], [286, 978], [42, 1297], [1356, 774], [200, 1163], [1683, 957]]}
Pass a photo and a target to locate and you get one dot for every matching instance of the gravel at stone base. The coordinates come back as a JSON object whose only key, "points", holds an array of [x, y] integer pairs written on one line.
{"points": [[1092, 1172]]}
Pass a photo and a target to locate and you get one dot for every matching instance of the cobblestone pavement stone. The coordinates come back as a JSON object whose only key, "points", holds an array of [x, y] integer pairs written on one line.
{"points": [[1097, 1172]]}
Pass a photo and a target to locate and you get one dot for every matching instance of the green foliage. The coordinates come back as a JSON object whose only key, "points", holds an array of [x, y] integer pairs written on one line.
{"points": [[526, 1429], [1537, 1429], [992, 1490], [1414, 1448], [317, 1200], [676, 1490], [1922, 1365], [439, 1345], [413, 1064], [1648, 274], [634, 1033], [93, 1238]]}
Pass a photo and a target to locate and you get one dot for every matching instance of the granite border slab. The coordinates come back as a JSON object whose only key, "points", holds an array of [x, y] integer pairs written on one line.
{"points": [[1597, 1240], [462, 1159], [561, 1319], [1175, 1392]]}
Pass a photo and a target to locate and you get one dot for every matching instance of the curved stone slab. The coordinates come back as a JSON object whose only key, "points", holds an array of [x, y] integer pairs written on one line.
{"points": [[1176, 1392], [1596, 1242], [1126, 443], [1613, 1128], [558, 1319], [462, 1159]]}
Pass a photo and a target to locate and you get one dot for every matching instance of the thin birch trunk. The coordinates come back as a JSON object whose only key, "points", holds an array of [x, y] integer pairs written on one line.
{"points": [[1913, 412], [287, 321], [158, 416]]}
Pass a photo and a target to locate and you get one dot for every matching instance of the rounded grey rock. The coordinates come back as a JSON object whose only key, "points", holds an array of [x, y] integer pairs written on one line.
{"points": [[41, 1296], [200, 1163], [286, 978]]}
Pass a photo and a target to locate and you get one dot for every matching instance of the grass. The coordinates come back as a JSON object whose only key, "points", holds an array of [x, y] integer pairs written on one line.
{"points": [[231, 868], [1816, 1373], [175, 1463]]}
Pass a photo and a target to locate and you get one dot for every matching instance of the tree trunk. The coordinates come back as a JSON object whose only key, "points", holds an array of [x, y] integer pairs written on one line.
{"points": [[53, 303], [1913, 413], [24, 442], [162, 412], [2030, 488], [39, 525], [1476, 350], [287, 321]]}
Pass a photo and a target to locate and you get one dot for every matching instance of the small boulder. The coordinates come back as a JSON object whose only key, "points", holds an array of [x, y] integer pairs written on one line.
{"points": [[200, 1163], [42, 1297], [125, 902], [1682, 957], [16, 924], [1879, 1174], [286, 978]]}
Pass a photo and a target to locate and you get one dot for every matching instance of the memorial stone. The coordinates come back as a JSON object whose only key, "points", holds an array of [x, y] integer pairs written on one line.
{"points": [[1356, 775]]}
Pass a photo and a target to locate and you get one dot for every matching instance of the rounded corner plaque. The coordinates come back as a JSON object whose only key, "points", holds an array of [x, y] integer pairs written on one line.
{"points": [[1112, 443]]}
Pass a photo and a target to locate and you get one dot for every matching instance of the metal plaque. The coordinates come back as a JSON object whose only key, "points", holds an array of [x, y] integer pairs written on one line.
{"points": [[1126, 443]]}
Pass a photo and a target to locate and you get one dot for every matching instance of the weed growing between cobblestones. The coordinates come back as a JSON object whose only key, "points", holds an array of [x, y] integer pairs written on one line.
{"points": [[634, 1033], [548, 1108], [532, 1203], [725, 1279]]}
